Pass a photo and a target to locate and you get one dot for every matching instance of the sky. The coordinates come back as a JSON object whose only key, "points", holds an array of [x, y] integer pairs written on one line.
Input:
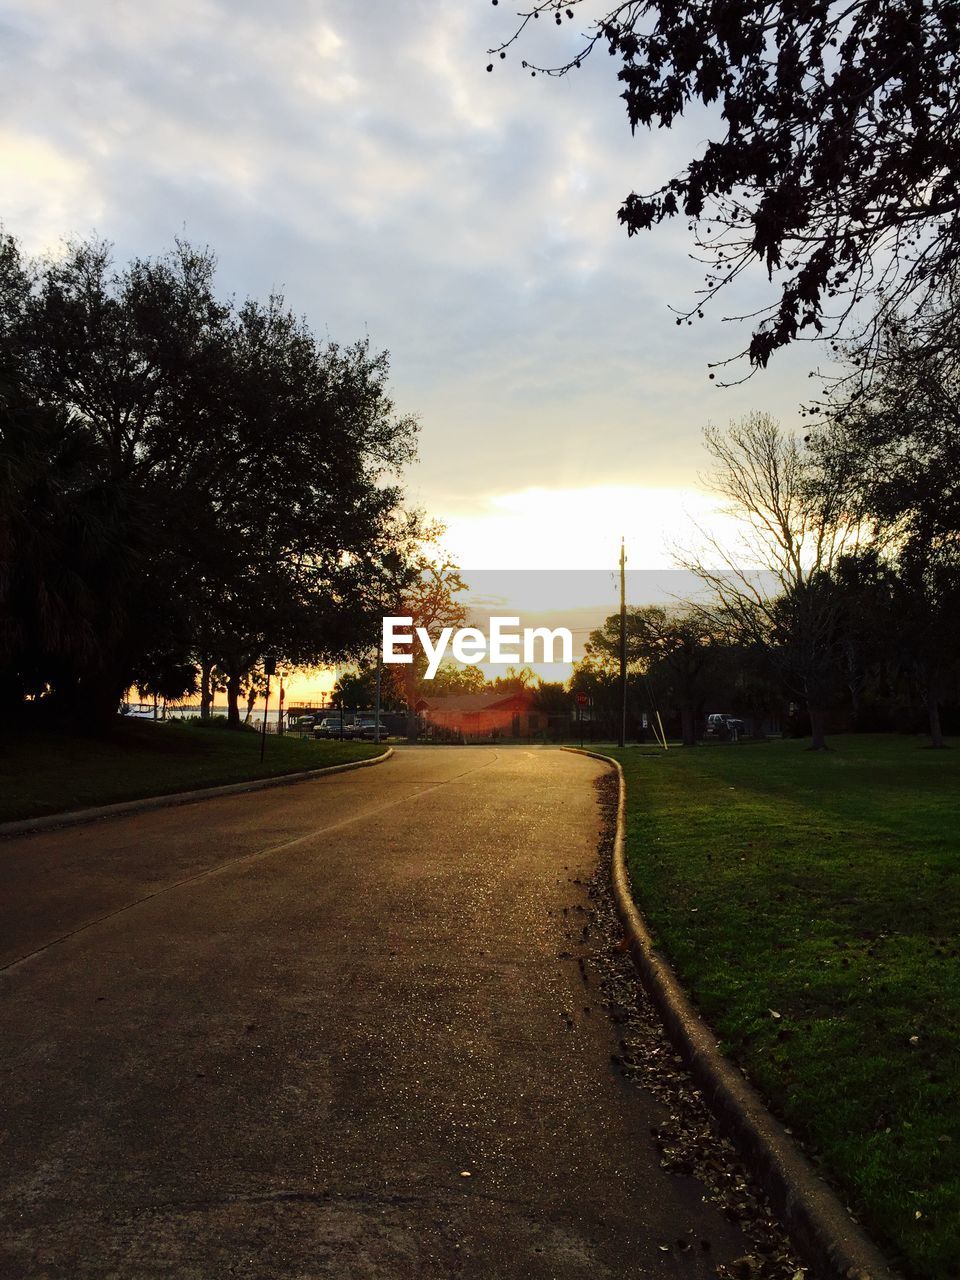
{"points": [[357, 155]]}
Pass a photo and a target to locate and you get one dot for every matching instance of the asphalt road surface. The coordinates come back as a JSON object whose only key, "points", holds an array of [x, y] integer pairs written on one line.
{"points": [[329, 1030]]}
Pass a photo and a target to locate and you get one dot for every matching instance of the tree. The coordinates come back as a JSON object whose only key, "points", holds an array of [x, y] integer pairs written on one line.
{"points": [[895, 449], [186, 483], [836, 161], [454, 680], [303, 509], [870, 627], [896, 445], [777, 586], [552, 699], [927, 596], [211, 682], [596, 677], [427, 593], [356, 688], [57, 543], [681, 647], [512, 681], [122, 362]]}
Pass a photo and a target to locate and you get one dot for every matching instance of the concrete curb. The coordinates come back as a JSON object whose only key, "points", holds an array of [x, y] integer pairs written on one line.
{"points": [[25, 826], [826, 1238]]}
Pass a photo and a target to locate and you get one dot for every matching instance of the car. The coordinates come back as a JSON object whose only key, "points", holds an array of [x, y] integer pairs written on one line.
{"points": [[330, 727], [722, 725], [367, 727]]}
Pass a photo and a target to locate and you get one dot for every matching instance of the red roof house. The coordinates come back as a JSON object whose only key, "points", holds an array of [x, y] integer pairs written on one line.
{"points": [[483, 716]]}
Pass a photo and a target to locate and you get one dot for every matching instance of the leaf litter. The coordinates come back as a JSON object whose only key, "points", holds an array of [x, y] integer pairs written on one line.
{"points": [[688, 1140]]}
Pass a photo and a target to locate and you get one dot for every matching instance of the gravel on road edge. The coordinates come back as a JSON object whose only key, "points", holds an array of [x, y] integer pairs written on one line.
{"points": [[689, 1140]]}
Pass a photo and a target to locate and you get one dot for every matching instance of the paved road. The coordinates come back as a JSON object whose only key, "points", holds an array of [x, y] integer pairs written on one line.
{"points": [[270, 1035]]}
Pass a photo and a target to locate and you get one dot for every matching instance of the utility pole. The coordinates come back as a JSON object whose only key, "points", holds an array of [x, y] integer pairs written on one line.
{"points": [[376, 701], [622, 741], [263, 731], [269, 669], [376, 707]]}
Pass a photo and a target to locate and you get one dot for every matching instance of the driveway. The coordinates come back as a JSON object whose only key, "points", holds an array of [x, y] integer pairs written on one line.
{"points": [[336, 1029]]}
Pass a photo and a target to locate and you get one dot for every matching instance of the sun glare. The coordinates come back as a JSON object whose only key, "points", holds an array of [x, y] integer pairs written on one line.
{"points": [[581, 528]]}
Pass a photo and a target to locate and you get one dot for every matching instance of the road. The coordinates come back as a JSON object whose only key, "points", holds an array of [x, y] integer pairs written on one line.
{"points": [[336, 1029]]}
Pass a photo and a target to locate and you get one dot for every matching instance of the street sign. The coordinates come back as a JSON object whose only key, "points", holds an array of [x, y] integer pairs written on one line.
{"points": [[582, 699], [269, 664]]}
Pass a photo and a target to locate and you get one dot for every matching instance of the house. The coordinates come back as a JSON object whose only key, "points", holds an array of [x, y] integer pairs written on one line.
{"points": [[482, 717]]}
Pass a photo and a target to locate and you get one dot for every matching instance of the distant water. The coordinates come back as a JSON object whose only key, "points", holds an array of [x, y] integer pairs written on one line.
{"points": [[144, 711]]}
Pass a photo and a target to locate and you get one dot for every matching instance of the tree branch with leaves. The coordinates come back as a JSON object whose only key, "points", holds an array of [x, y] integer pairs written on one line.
{"points": [[834, 163], [776, 584]]}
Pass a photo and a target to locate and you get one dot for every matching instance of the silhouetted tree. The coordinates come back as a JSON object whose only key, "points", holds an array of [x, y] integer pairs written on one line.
{"points": [[835, 160], [596, 677], [681, 648], [870, 635], [776, 587], [356, 688], [553, 699], [58, 542], [895, 451], [122, 362], [302, 507], [185, 483]]}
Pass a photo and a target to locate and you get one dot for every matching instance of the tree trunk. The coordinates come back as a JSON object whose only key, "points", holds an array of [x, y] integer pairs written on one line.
{"points": [[251, 701], [817, 728], [854, 701], [233, 699], [688, 728], [854, 682], [410, 692], [936, 729], [93, 701], [206, 692]]}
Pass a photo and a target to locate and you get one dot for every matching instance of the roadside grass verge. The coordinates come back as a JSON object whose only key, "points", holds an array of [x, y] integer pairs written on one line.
{"points": [[45, 771], [810, 903]]}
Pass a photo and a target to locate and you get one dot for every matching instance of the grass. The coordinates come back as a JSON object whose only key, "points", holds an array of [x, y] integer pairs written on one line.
{"points": [[48, 772], [811, 905]]}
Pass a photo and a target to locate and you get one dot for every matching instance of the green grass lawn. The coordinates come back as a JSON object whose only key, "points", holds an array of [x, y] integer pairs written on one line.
{"points": [[49, 772], [811, 905]]}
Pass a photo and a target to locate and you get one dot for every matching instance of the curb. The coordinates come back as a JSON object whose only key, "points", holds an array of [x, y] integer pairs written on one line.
{"points": [[819, 1226], [76, 817]]}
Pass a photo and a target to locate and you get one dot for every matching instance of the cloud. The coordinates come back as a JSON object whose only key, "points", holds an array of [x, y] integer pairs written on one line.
{"points": [[360, 157]]}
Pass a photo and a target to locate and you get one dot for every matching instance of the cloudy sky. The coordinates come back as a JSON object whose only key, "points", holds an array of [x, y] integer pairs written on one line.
{"points": [[356, 154]]}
